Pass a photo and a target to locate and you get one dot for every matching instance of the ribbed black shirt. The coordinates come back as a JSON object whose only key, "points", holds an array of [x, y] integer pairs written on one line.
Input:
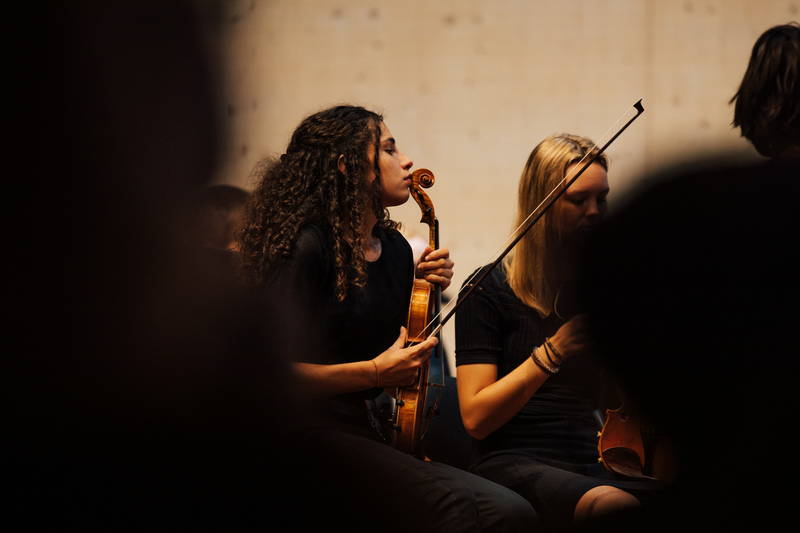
{"points": [[494, 326]]}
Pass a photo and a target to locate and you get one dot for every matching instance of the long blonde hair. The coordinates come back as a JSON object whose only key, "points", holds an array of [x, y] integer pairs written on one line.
{"points": [[532, 268]]}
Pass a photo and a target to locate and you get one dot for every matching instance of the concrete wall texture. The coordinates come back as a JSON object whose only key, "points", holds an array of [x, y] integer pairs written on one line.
{"points": [[469, 87]]}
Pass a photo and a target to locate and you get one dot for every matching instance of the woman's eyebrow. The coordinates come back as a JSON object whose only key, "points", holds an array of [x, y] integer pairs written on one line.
{"points": [[577, 192]]}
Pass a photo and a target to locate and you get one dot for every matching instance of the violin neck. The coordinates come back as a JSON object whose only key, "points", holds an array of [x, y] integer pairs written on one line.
{"points": [[436, 300], [433, 242], [433, 234]]}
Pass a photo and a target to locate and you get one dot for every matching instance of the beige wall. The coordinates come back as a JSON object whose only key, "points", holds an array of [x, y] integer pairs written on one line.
{"points": [[469, 87]]}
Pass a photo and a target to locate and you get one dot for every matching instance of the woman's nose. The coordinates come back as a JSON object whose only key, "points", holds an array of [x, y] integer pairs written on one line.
{"points": [[592, 209], [406, 161]]}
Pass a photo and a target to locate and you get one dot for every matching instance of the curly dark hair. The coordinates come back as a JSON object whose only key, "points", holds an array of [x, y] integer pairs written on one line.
{"points": [[305, 185], [767, 103]]}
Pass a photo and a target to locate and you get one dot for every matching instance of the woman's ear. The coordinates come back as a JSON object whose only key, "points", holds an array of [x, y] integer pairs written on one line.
{"points": [[341, 165]]}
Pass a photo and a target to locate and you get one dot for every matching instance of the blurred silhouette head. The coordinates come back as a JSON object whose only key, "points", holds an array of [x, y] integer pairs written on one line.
{"points": [[768, 100], [215, 216]]}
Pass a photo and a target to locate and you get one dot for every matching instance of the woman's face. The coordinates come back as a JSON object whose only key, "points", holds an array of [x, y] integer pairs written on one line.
{"points": [[583, 204], [395, 169]]}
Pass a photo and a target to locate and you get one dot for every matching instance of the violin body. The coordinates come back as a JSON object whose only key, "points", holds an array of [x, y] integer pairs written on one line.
{"points": [[411, 415], [631, 449]]}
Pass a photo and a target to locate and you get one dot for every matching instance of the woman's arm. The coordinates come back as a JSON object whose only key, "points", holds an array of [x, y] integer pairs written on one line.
{"points": [[487, 403], [395, 367], [329, 380]]}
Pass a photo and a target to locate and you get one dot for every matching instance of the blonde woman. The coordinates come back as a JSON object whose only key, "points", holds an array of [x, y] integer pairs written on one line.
{"points": [[527, 387]]}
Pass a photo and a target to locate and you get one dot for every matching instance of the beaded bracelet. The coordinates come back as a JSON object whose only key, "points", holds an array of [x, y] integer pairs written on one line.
{"points": [[552, 348], [546, 368], [553, 361]]}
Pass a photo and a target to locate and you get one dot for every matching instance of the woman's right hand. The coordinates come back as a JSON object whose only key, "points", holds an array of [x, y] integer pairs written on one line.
{"points": [[571, 338], [398, 366]]}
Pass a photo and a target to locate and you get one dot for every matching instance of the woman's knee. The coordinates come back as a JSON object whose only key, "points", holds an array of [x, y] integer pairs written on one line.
{"points": [[519, 514], [604, 500], [496, 508]]}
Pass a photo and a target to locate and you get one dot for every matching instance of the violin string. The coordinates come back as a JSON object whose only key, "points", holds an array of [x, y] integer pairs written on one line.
{"points": [[446, 308]]}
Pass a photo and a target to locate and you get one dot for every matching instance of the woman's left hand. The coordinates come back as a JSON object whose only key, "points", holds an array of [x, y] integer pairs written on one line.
{"points": [[435, 266]]}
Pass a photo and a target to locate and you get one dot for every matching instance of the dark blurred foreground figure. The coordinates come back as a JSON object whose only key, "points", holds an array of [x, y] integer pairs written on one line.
{"points": [[149, 391], [207, 222], [218, 215], [768, 100], [692, 292]]}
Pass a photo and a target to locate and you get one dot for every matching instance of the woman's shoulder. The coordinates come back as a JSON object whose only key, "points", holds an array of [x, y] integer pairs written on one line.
{"points": [[392, 235], [312, 245], [495, 282], [394, 241]]}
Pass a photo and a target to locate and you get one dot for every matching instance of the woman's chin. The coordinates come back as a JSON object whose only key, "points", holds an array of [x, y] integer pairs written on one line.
{"points": [[395, 200]]}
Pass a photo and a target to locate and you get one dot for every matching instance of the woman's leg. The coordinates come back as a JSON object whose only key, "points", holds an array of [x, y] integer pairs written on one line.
{"points": [[377, 485], [552, 491], [497, 508], [601, 501]]}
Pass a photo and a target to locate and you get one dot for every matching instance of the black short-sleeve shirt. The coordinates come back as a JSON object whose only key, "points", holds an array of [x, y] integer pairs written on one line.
{"points": [[493, 326], [369, 319]]}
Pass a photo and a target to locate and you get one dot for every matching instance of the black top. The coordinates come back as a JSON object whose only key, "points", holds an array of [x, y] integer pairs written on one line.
{"points": [[369, 319], [494, 326]]}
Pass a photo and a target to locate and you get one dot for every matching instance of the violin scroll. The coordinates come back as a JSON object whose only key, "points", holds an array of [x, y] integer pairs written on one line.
{"points": [[423, 177]]}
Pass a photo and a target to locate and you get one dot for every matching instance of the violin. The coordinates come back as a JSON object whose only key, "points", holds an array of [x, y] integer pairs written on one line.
{"points": [[410, 417], [631, 448], [626, 445]]}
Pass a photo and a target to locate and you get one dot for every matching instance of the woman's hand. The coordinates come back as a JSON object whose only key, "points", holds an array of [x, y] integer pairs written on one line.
{"points": [[398, 366], [571, 338], [435, 266]]}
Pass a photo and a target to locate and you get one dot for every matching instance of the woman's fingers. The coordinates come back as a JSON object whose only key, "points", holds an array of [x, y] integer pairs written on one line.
{"points": [[442, 273], [401, 339], [433, 255], [438, 280], [437, 267], [435, 262], [443, 264], [422, 350]]}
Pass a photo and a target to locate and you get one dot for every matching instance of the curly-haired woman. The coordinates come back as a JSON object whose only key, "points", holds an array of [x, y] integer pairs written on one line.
{"points": [[318, 224]]}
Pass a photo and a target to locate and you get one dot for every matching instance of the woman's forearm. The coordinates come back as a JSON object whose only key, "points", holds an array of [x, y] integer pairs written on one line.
{"points": [[487, 404], [328, 380]]}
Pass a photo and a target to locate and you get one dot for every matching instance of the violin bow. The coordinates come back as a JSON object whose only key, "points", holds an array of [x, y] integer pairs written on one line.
{"points": [[532, 218]]}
